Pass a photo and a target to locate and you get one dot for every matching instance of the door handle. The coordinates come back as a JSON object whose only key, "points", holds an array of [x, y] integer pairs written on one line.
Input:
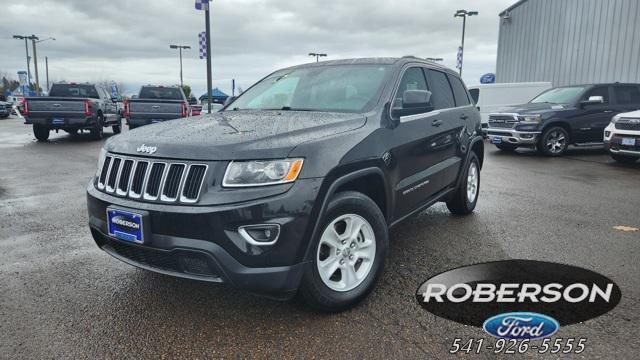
{"points": [[464, 117], [436, 123]]}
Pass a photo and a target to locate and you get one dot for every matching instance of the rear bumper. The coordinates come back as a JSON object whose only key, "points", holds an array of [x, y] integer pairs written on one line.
{"points": [[62, 122], [513, 137], [149, 120]]}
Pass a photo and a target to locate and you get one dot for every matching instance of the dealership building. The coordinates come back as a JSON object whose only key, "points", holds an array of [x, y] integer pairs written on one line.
{"points": [[569, 42]]}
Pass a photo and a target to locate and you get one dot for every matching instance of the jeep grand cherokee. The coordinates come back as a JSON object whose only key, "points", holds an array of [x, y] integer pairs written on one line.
{"points": [[293, 186]]}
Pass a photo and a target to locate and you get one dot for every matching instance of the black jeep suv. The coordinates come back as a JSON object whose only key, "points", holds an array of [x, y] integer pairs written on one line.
{"points": [[562, 116], [294, 185]]}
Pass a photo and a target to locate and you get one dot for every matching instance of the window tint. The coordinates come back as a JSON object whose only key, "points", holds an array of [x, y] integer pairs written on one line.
{"points": [[72, 90], [442, 97], [459, 92], [627, 94], [160, 93], [598, 91], [413, 79], [475, 94]]}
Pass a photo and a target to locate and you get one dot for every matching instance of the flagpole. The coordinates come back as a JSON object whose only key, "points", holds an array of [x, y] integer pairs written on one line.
{"points": [[208, 37]]}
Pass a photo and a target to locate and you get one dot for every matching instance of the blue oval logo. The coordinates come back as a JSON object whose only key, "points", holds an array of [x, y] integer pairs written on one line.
{"points": [[521, 326]]}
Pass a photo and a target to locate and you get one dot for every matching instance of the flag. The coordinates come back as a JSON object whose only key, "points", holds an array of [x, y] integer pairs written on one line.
{"points": [[202, 40], [202, 4], [459, 64]]}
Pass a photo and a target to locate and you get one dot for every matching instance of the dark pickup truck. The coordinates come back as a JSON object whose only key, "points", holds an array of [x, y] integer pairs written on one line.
{"points": [[293, 186], [72, 108], [156, 104]]}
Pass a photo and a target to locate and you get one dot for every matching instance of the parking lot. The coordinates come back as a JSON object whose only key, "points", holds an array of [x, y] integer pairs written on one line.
{"points": [[60, 296]]}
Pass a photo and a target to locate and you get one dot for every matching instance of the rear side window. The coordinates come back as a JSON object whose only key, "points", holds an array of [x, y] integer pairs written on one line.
{"points": [[598, 91], [475, 94], [70, 90], [160, 93], [626, 95], [459, 92], [442, 96], [413, 79]]}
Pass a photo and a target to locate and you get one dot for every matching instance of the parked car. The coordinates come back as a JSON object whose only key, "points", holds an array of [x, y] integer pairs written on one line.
{"points": [[156, 104], [622, 137], [562, 116], [72, 107], [294, 185], [5, 109], [489, 98]]}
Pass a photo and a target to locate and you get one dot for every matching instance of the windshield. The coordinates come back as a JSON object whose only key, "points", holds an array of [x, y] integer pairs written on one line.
{"points": [[563, 95], [349, 88], [160, 93], [69, 90]]}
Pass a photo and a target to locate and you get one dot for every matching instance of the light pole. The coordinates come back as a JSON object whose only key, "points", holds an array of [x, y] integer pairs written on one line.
{"points": [[463, 14], [46, 65], [26, 49], [34, 41], [180, 47], [317, 55]]}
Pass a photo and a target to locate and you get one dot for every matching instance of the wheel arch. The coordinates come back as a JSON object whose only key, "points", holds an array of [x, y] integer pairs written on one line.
{"points": [[558, 123]]}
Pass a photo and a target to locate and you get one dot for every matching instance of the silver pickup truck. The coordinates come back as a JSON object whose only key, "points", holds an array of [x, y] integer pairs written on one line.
{"points": [[156, 104], [72, 108]]}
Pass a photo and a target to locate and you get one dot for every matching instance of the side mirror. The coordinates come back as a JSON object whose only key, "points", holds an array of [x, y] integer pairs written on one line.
{"points": [[229, 100], [413, 102], [593, 100]]}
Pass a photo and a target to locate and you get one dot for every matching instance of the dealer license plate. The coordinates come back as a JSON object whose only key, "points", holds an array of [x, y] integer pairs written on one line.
{"points": [[125, 225]]}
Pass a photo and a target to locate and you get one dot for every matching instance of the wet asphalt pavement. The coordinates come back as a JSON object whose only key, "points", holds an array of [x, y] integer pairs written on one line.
{"points": [[62, 297]]}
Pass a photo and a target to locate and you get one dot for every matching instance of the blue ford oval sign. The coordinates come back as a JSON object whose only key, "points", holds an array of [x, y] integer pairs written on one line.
{"points": [[521, 326]]}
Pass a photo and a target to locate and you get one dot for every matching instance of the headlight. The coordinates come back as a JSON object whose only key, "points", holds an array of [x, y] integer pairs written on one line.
{"points": [[101, 157], [530, 118], [261, 172]]}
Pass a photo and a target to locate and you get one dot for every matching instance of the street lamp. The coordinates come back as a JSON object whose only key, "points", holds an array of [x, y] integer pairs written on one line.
{"points": [[26, 48], [35, 62], [463, 14], [180, 47], [317, 55], [34, 40]]}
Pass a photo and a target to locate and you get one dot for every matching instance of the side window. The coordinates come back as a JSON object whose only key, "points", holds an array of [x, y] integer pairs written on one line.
{"points": [[413, 79], [598, 91], [442, 96], [459, 92], [627, 94]]}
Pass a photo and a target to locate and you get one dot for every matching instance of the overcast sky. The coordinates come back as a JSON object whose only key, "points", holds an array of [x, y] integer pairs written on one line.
{"points": [[128, 40]]}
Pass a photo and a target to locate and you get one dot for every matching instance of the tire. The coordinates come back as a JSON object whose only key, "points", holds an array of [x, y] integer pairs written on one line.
{"points": [[624, 158], [507, 147], [554, 141], [341, 289], [117, 129], [465, 198], [131, 127], [97, 132], [41, 132]]}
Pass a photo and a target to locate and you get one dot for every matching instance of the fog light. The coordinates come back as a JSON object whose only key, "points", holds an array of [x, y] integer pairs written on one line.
{"points": [[607, 133], [526, 136], [260, 235]]}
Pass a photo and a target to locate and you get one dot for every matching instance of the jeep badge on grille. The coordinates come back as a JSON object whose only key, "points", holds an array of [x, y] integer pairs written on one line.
{"points": [[147, 149]]}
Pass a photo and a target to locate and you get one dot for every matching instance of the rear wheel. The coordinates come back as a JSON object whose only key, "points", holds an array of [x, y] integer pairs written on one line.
{"points": [[506, 147], [97, 132], [41, 132], [116, 129], [466, 196], [348, 255], [554, 141], [624, 158]]}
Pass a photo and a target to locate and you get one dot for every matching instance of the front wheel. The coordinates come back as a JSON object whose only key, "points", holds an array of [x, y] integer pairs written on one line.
{"points": [[625, 159], [465, 198], [348, 255], [554, 141], [41, 132]]}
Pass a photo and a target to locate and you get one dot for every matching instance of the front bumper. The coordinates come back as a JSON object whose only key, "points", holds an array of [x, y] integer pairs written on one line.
{"points": [[613, 141], [203, 242], [513, 136]]}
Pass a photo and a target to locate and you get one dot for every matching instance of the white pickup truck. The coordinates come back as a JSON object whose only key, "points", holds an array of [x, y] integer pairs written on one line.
{"points": [[622, 137]]}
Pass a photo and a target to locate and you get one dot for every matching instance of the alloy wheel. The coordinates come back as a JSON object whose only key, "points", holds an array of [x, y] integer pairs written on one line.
{"points": [[472, 182], [556, 141]]}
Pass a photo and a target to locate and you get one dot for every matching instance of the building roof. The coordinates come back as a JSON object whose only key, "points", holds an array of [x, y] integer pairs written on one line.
{"points": [[520, 2]]}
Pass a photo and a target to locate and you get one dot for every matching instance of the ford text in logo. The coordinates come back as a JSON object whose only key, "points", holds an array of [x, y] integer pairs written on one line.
{"points": [[472, 294], [521, 326], [147, 149]]}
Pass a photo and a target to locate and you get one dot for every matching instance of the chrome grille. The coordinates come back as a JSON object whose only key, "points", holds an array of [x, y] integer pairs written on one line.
{"points": [[628, 124], [152, 180], [504, 121]]}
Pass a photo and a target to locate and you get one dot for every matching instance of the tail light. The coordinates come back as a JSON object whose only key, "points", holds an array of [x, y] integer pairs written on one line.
{"points": [[88, 108], [127, 109], [185, 109], [25, 107]]}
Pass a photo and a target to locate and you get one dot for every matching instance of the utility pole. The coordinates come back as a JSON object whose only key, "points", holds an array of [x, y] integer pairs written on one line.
{"points": [[317, 55], [180, 47], [26, 49], [46, 65], [208, 36], [463, 14], [35, 63]]}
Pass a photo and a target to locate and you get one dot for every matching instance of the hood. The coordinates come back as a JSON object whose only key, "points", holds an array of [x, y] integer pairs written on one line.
{"points": [[632, 114], [234, 135], [534, 108]]}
